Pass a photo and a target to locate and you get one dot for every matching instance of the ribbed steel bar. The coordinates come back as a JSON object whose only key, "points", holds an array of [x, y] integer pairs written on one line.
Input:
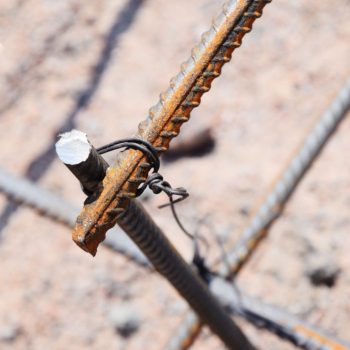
{"points": [[48, 204], [275, 320], [45, 202], [166, 118], [169, 263], [287, 327], [273, 206]]}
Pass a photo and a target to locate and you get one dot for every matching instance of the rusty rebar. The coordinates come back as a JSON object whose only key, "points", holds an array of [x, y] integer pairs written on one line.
{"points": [[166, 118], [272, 207], [58, 209], [124, 18]]}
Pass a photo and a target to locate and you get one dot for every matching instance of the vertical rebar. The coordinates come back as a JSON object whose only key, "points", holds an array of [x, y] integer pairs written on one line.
{"points": [[164, 122]]}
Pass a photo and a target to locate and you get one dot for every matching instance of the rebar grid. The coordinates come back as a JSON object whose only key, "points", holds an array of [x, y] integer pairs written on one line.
{"points": [[249, 241], [166, 118], [272, 207]]}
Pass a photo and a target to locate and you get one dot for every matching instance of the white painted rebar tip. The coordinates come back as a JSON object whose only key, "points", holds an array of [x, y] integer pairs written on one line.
{"points": [[73, 147], [82, 159]]}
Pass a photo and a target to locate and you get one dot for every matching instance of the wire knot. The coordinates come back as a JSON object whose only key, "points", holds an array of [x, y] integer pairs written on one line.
{"points": [[155, 182]]}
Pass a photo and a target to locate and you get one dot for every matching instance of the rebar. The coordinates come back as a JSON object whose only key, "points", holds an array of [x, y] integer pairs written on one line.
{"points": [[169, 263], [51, 205], [43, 201], [273, 206], [123, 19], [166, 118]]}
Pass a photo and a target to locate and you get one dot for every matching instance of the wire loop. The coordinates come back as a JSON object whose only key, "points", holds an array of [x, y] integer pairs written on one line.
{"points": [[134, 143], [155, 182]]}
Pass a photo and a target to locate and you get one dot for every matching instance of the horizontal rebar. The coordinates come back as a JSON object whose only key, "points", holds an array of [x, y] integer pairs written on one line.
{"points": [[53, 206], [272, 207]]}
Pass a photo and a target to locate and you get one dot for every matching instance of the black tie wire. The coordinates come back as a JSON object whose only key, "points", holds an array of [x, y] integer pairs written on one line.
{"points": [[155, 181]]}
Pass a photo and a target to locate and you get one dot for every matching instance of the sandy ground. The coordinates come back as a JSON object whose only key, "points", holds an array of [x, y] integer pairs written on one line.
{"points": [[99, 67]]}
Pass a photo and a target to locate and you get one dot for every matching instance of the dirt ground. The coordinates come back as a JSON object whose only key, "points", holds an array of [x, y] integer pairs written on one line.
{"points": [[98, 67]]}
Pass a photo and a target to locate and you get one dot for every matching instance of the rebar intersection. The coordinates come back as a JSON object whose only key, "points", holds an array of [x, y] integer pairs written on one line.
{"points": [[165, 119]]}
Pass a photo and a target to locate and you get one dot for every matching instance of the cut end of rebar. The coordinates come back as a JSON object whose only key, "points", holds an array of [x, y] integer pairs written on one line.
{"points": [[89, 243], [73, 147], [88, 237], [87, 248]]}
